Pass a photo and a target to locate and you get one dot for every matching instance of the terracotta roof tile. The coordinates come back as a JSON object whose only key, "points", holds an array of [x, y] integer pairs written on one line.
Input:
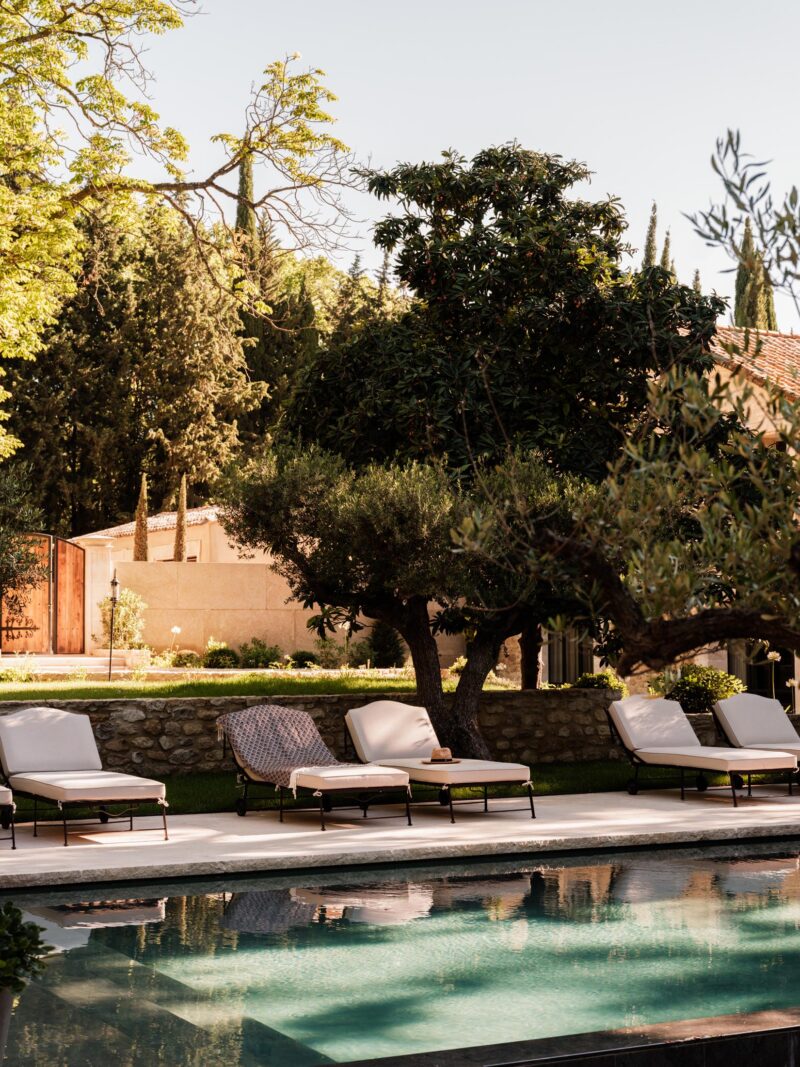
{"points": [[776, 360], [165, 520]]}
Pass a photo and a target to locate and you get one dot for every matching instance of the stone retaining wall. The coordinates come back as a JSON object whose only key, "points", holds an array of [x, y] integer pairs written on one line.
{"points": [[179, 735]]}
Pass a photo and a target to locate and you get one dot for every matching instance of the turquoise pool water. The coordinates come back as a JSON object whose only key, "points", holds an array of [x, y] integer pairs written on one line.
{"points": [[347, 967]]}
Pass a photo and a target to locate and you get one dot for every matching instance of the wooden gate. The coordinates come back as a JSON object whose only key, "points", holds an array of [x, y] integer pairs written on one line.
{"points": [[54, 614]]}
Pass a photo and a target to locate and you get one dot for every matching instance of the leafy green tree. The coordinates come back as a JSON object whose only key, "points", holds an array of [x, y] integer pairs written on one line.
{"points": [[79, 65], [145, 372], [649, 257], [523, 323], [754, 304], [22, 566], [179, 550]]}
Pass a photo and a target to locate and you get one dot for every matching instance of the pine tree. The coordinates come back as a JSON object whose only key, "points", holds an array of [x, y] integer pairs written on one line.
{"points": [[649, 258], [696, 283], [666, 261], [140, 534], [179, 551], [754, 305]]}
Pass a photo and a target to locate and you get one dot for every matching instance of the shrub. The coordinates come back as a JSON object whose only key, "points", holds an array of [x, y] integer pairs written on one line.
{"points": [[218, 656], [21, 670], [601, 680], [186, 658], [458, 665], [128, 620], [386, 648], [256, 653], [303, 658], [358, 653], [21, 949], [333, 655], [699, 688]]}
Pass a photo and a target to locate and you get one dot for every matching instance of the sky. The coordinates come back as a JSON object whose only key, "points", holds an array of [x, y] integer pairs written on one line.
{"points": [[637, 90]]}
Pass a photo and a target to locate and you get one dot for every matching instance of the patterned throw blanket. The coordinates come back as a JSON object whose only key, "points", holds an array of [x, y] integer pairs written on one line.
{"points": [[273, 743]]}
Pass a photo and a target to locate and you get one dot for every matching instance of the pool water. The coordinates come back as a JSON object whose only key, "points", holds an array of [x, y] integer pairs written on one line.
{"points": [[332, 968]]}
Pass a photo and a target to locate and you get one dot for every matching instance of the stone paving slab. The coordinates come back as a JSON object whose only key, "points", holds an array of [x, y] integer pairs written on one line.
{"points": [[223, 843]]}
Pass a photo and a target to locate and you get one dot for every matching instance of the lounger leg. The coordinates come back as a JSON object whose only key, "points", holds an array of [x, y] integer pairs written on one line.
{"points": [[322, 811], [280, 803], [530, 798], [35, 819], [791, 783], [683, 785], [13, 831], [408, 804], [450, 802], [486, 798], [63, 811], [733, 791], [749, 785], [164, 806]]}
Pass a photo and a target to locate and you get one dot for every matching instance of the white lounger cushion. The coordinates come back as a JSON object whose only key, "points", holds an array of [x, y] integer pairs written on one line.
{"points": [[349, 777], [71, 786], [47, 739], [6, 798], [387, 728], [465, 772], [725, 760], [753, 721], [647, 722]]}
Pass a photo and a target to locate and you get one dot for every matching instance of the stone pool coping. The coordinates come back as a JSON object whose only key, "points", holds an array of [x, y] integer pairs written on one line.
{"points": [[222, 844]]}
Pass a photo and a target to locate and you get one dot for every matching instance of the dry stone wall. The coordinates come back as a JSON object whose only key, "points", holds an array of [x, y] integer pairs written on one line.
{"points": [[179, 735]]}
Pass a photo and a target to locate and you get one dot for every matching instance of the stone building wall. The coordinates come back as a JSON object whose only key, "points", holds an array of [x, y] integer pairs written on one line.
{"points": [[179, 735]]}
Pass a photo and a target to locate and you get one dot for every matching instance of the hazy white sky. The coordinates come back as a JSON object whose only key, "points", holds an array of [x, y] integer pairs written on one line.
{"points": [[638, 90]]}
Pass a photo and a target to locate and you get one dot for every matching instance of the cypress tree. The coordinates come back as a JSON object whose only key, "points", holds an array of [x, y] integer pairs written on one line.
{"points": [[140, 534], [754, 305], [179, 551], [649, 258], [696, 283], [246, 221], [666, 261]]}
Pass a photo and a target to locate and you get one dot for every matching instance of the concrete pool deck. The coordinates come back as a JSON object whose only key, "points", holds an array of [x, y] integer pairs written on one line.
{"points": [[219, 844]]}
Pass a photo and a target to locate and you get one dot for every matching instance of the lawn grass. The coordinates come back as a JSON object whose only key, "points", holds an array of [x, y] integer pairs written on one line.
{"points": [[196, 793], [239, 685]]}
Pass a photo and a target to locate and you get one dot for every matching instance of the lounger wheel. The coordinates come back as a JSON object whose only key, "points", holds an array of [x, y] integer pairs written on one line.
{"points": [[104, 816], [737, 781], [701, 782], [633, 787], [5, 818], [444, 797], [241, 806]]}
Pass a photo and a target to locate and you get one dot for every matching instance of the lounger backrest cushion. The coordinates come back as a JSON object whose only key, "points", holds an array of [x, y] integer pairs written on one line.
{"points": [[748, 719], [387, 729], [47, 739], [652, 722]]}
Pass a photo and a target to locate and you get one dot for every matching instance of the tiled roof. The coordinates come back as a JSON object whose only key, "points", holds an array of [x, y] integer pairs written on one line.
{"points": [[165, 520], [769, 356]]}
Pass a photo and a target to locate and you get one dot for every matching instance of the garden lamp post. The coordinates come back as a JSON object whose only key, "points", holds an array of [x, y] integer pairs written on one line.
{"points": [[114, 598]]}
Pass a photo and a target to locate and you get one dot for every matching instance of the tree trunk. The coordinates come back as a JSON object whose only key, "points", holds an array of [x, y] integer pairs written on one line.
{"points": [[464, 733], [415, 628], [530, 647]]}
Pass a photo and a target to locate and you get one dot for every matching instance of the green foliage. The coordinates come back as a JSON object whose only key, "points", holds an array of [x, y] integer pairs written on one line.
{"points": [[21, 949], [330, 654], [754, 304], [601, 680], [649, 257], [698, 688], [523, 323], [179, 548], [140, 532], [386, 648], [22, 564], [256, 653], [302, 658], [186, 658], [218, 656], [128, 620], [458, 665], [20, 669]]}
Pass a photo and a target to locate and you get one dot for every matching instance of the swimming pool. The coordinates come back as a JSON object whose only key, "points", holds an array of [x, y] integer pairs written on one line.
{"points": [[345, 966]]}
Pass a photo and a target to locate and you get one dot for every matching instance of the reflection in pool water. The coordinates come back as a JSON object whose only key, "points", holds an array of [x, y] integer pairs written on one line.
{"points": [[344, 967]]}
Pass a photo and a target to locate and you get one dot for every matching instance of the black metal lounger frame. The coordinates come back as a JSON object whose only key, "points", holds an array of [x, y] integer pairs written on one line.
{"points": [[370, 794], [103, 814], [7, 822], [446, 791], [735, 778], [722, 735]]}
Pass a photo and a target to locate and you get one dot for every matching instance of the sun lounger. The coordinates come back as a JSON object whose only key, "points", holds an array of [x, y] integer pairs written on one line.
{"points": [[51, 755], [7, 814], [656, 732], [390, 734], [750, 721], [282, 747]]}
